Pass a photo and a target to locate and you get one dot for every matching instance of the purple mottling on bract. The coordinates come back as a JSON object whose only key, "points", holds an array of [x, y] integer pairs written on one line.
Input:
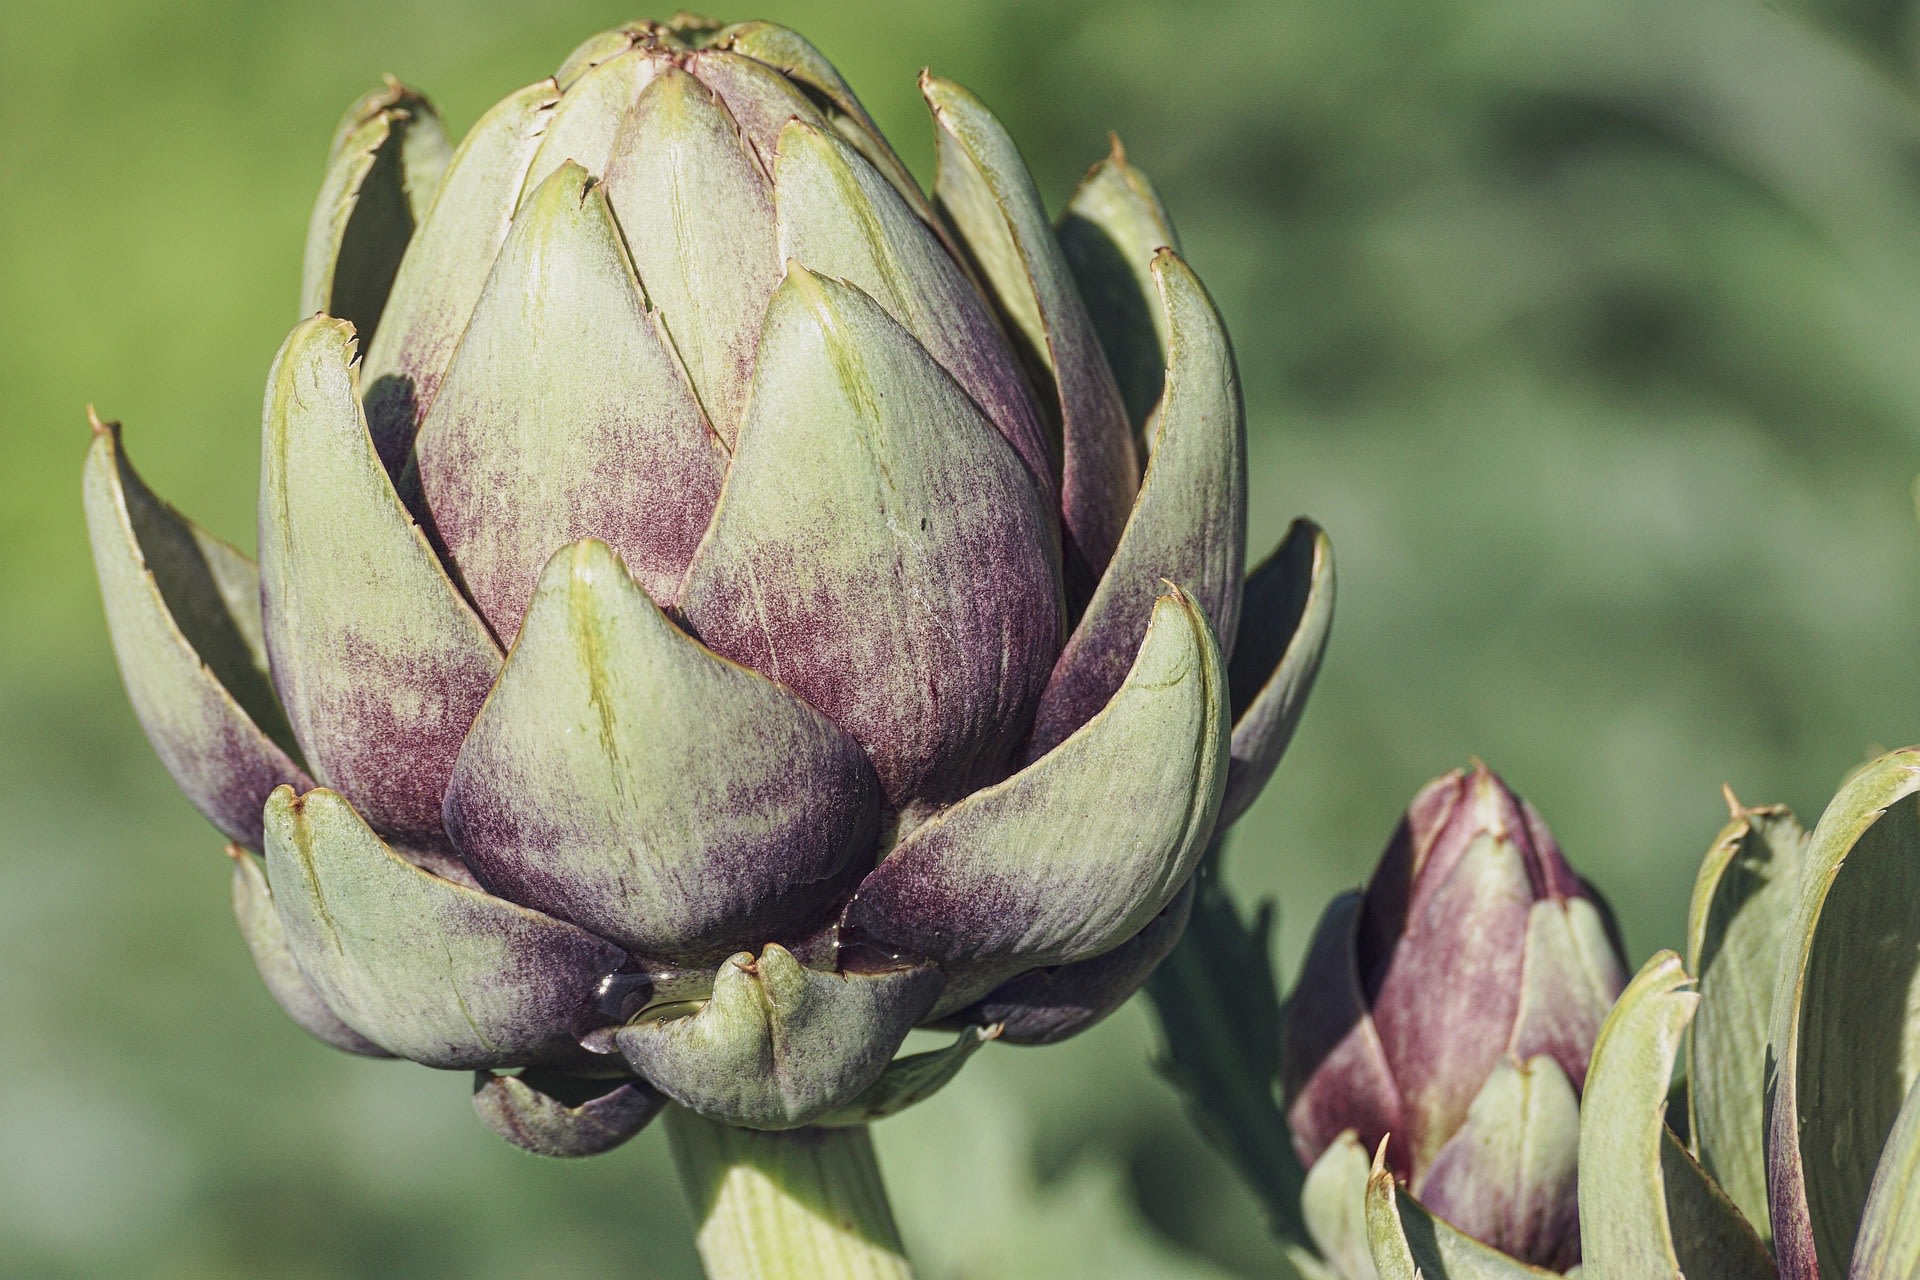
{"points": [[649, 503], [1565, 1006], [931, 616], [745, 887], [760, 99], [1792, 1219], [1536, 1223], [384, 729], [1333, 1073], [1049, 1005], [227, 768], [1446, 996]]}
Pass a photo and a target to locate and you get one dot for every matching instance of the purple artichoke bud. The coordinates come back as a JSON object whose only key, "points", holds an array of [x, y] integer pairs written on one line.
{"points": [[719, 607], [1451, 1008]]}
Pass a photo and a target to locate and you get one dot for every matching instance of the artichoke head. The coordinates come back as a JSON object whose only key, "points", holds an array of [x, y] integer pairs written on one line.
{"points": [[718, 607], [1443, 1020]]}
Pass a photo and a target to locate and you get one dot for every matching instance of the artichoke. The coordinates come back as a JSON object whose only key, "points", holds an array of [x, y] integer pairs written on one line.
{"points": [[718, 608], [1445, 1016], [1792, 1144]]}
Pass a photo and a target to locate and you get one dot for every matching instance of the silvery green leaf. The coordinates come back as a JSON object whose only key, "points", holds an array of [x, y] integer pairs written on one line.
{"points": [[183, 612], [381, 662], [1333, 1203], [387, 159], [1846, 1014], [1409, 1243], [560, 386], [626, 778], [1050, 1004], [1736, 932], [838, 218], [696, 211], [879, 548], [1647, 1210], [793, 56], [1506, 1177], [425, 968], [582, 126], [760, 99], [551, 1113], [1111, 231], [1189, 519], [1286, 613], [983, 187], [1888, 1246], [446, 265], [1078, 851], [266, 939], [778, 1044], [910, 1081]]}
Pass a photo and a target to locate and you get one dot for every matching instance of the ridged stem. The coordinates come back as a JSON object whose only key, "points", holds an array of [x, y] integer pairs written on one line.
{"points": [[786, 1206]]}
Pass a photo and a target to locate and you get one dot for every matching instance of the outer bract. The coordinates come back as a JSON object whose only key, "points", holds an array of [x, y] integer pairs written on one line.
{"points": [[1449, 1012], [739, 608]]}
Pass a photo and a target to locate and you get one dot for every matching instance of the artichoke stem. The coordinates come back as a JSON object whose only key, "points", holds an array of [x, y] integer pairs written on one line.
{"points": [[786, 1206]]}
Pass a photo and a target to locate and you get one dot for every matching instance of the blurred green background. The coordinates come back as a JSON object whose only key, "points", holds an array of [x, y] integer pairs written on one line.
{"points": [[1591, 332]]}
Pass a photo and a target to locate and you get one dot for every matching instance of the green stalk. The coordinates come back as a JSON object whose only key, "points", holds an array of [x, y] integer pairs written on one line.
{"points": [[786, 1206]]}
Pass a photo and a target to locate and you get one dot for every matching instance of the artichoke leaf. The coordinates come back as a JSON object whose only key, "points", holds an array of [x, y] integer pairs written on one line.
{"points": [[697, 213], [790, 53], [380, 660], [778, 1044], [1333, 1205], [1845, 1026], [446, 266], [624, 777], [982, 186], [560, 384], [1189, 519], [1078, 851], [879, 548], [1112, 229], [1507, 1176], [423, 967], [1736, 933], [837, 218], [387, 158], [1647, 1209], [1285, 616], [183, 612], [1888, 1244], [1049, 1005], [589, 116], [553, 1114], [910, 1081], [1409, 1243], [266, 939]]}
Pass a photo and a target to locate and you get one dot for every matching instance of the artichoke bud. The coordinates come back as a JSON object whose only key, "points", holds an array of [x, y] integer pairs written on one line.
{"points": [[1450, 1010], [713, 615]]}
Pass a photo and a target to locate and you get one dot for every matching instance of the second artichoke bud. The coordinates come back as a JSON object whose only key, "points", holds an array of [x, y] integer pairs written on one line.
{"points": [[1450, 1010]]}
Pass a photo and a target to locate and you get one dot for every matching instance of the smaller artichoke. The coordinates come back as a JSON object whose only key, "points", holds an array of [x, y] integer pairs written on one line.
{"points": [[1449, 1012]]}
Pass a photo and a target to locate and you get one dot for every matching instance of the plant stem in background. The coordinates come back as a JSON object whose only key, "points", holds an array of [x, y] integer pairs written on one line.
{"points": [[1219, 1010], [786, 1206]]}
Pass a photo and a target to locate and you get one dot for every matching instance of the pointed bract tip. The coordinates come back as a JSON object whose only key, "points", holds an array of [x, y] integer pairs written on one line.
{"points": [[1116, 150], [1380, 1158], [235, 852], [1735, 809], [100, 426]]}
